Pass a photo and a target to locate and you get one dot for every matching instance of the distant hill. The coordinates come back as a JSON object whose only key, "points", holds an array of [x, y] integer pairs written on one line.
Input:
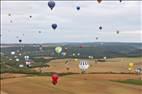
{"points": [[97, 50]]}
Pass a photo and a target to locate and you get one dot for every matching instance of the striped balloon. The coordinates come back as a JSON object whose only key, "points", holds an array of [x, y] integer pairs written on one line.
{"points": [[83, 65]]}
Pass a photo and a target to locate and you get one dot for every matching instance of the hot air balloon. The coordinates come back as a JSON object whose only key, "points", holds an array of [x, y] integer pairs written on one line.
{"points": [[131, 65], [83, 65], [129, 69], [54, 26], [99, 1], [17, 59], [20, 40], [78, 54], [26, 58], [28, 64], [81, 46], [117, 32], [78, 7], [54, 79], [58, 50], [21, 65], [100, 27], [30, 16], [51, 4], [12, 53], [9, 14], [39, 32], [11, 21], [63, 53], [73, 54]]}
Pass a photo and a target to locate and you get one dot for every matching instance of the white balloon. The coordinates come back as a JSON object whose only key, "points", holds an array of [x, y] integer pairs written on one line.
{"points": [[17, 59], [105, 57], [63, 53], [78, 54], [12, 53], [21, 65], [83, 65]]}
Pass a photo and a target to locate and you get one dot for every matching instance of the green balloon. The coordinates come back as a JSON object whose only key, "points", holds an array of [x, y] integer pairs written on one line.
{"points": [[58, 49]]}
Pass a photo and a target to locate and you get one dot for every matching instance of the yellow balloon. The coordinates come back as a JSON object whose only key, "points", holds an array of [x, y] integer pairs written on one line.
{"points": [[75, 59], [131, 64], [58, 49], [129, 69]]}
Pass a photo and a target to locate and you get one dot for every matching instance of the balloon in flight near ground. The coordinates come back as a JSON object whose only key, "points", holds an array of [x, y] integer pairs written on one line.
{"points": [[99, 1], [17, 59], [129, 69], [12, 53], [54, 79], [21, 65], [81, 46], [73, 54], [58, 50], [51, 4], [131, 64], [78, 7], [54, 26], [78, 54], [63, 53], [83, 65]]}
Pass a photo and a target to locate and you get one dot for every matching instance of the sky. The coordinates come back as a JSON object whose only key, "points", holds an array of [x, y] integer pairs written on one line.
{"points": [[72, 25]]}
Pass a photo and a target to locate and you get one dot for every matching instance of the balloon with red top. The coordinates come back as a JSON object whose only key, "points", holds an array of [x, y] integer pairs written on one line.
{"points": [[54, 78]]}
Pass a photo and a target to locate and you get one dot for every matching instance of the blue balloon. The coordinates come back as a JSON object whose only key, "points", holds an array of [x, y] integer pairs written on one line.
{"points": [[100, 27], [51, 4], [78, 7], [54, 26]]}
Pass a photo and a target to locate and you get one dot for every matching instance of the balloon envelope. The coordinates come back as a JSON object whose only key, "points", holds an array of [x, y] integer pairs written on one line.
{"points": [[117, 32], [20, 40], [12, 53], [51, 4], [83, 65], [99, 1], [58, 49], [131, 64], [100, 27], [54, 79], [54, 26], [78, 7]]}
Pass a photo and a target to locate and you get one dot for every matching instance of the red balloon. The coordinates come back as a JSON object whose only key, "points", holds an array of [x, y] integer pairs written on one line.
{"points": [[81, 46], [54, 78]]}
